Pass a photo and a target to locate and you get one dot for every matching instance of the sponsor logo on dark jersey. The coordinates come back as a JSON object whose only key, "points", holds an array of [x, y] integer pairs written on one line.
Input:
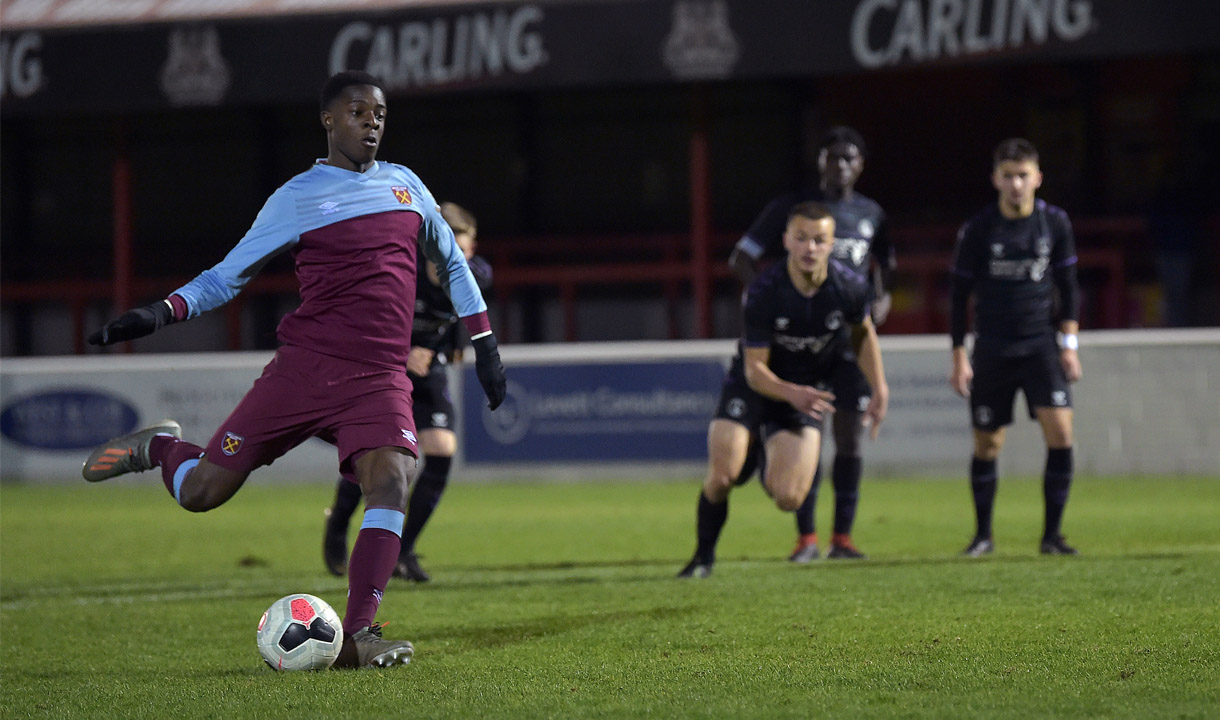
{"points": [[812, 344], [852, 249], [1033, 268]]}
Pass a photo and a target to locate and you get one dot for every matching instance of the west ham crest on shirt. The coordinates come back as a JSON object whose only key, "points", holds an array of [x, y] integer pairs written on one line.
{"points": [[402, 194], [231, 443]]}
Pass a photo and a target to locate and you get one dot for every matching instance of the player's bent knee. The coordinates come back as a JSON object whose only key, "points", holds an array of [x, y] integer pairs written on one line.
{"points": [[788, 502], [788, 496], [384, 475]]}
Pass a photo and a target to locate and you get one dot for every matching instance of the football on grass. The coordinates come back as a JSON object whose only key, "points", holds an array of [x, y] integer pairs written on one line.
{"points": [[300, 632]]}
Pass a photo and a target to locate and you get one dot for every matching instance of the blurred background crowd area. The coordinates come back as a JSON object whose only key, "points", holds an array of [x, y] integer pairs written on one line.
{"points": [[613, 152]]}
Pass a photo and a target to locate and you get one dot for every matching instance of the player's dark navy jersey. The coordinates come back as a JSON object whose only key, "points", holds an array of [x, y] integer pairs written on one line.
{"points": [[1012, 266], [436, 324], [807, 335], [860, 229]]}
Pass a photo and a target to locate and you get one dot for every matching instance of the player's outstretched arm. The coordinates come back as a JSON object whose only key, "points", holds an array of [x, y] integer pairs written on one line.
{"points": [[135, 323]]}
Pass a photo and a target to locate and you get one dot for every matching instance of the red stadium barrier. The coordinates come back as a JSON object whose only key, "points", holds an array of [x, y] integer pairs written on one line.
{"points": [[567, 264]]}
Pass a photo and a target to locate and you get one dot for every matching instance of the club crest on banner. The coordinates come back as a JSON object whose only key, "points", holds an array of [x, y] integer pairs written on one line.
{"points": [[195, 73], [700, 43]]}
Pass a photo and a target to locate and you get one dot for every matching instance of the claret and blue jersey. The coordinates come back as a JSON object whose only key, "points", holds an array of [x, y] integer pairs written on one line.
{"points": [[353, 237], [435, 326]]}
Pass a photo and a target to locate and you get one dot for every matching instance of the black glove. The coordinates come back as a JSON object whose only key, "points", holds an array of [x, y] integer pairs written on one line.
{"points": [[135, 323], [488, 368]]}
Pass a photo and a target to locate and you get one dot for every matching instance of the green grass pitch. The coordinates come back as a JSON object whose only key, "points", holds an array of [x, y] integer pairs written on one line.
{"points": [[558, 600]]}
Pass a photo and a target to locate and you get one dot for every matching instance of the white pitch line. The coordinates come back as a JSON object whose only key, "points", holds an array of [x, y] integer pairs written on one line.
{"points": [[42, 597]]}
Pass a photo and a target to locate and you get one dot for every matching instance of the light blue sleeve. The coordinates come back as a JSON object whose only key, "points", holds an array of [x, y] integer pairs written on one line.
{"points": [[274, 231], [436, 239]]}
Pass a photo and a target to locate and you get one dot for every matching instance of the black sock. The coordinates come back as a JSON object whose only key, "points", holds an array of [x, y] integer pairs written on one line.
{"points": [[347, 499], [982, 484], [1056, 483], [805, 513], [846, 479], [709, 522], [424, 498]]}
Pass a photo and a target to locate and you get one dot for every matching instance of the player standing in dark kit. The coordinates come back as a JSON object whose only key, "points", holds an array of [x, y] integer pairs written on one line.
{"points": [[800, 316], [862, 245], [1013, 257], [435, 342], [353, 226]]}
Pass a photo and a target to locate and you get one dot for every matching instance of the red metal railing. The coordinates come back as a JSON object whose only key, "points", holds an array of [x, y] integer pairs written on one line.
{"points": [[569, 264]]}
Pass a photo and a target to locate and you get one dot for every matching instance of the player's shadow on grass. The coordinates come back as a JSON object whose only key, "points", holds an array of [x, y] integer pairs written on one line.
{"points": [[535, 574], [1032, 557], [484, 637], [570, 565], [539, 574]]}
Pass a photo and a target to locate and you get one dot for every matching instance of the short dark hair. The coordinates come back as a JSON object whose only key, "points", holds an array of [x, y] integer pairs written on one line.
{"points": [[844, 134], [811, 210], [459, 218], [341, 81], [1016, 149]]}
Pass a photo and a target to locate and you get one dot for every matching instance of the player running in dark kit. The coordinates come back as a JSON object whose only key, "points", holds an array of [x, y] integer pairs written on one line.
{"points": [[800, 316], [436, 341], [353, 226], [1014, 257], [862, 245]]}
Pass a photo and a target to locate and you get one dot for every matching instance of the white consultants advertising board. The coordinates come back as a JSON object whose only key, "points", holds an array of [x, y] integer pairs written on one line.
{"points": [[1149, 403], [54, 410]]}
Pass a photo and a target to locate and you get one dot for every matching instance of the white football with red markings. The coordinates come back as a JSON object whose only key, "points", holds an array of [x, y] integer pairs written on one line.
{"points": [[300, 632]]}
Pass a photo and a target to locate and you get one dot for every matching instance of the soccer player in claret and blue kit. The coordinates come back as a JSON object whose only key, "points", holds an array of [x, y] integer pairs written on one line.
{"points": [[1017, 258], [862, 245], [352, 225], [436, 341], [800, 317]]}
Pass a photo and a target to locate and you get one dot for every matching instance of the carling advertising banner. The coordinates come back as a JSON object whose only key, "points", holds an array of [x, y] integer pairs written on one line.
{"points": [[52, 60], [594, 412]]}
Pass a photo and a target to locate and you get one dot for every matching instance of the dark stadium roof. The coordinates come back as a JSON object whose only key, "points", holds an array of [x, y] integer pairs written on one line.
{"points": [[50, 14]]}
